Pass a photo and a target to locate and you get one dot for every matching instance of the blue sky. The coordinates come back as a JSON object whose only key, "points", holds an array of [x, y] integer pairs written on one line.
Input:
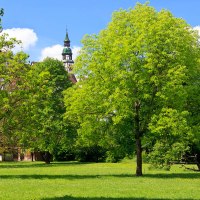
{"points": [[41, 24]]}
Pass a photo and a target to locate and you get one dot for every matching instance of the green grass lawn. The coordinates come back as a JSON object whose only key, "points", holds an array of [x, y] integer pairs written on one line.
{"points": [[95, 181]]}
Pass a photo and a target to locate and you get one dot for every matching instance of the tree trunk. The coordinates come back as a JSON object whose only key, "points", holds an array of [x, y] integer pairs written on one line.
{"points": [[138, 140], [47, 157], [32, 156], [139, 157]]}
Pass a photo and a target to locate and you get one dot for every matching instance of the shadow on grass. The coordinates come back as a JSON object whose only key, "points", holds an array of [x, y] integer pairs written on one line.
{"points": [[38, 164], [107, 198], [77, 176]]}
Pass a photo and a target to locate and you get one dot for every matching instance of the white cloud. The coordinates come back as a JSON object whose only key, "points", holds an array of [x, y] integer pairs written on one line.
{"points": [[75, 51], [55, 51], [27, 36], [197, 28]]}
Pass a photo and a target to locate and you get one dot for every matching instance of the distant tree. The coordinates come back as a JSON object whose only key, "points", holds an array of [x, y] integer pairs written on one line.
{"points": [[170, 136], [138, 69], [13, 70], [101, 141], [45, 129], [31, 101]]}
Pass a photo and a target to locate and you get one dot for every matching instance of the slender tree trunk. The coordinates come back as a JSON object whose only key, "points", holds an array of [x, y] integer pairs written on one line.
{"points": [[139, 157], [32, 156], [138, 140]]}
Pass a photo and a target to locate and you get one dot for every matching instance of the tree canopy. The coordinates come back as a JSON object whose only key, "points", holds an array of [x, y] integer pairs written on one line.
{"points": [[13, 70], [31, 101], [138, 90], [138, 69], [44, 127]]}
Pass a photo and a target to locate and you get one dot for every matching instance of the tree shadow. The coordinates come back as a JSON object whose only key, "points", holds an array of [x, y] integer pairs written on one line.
{"points": [[45, 176], [96, 176], [38, 164], [194, 175], [11, 165], [108, 198]]}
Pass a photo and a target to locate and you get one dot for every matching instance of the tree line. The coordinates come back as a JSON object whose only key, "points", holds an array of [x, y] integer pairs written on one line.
{"points": [[137, 94]]}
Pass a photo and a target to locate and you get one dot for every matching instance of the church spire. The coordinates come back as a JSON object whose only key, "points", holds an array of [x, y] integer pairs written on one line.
{"points": [[67, 41], [67, 57], [67, 53]]}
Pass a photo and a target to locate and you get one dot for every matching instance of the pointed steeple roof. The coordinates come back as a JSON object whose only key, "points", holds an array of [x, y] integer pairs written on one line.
{"points": [[66, 37]]}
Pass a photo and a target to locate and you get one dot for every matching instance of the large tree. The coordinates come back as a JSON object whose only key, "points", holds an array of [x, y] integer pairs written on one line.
{"points": [[44, 127], [13, 70], [137, 69], [31, 100]]}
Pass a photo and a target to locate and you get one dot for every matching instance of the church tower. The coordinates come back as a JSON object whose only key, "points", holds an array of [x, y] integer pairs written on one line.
{"points": [[67, 58], [67, 54]]}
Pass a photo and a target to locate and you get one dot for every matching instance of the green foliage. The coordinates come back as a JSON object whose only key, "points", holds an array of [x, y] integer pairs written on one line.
{"points": [[193, 106], [13, 68], [89, 153], [171, 137], [31, 101], [163, 155], [1, 14], [45, 128], [144, 59]]}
